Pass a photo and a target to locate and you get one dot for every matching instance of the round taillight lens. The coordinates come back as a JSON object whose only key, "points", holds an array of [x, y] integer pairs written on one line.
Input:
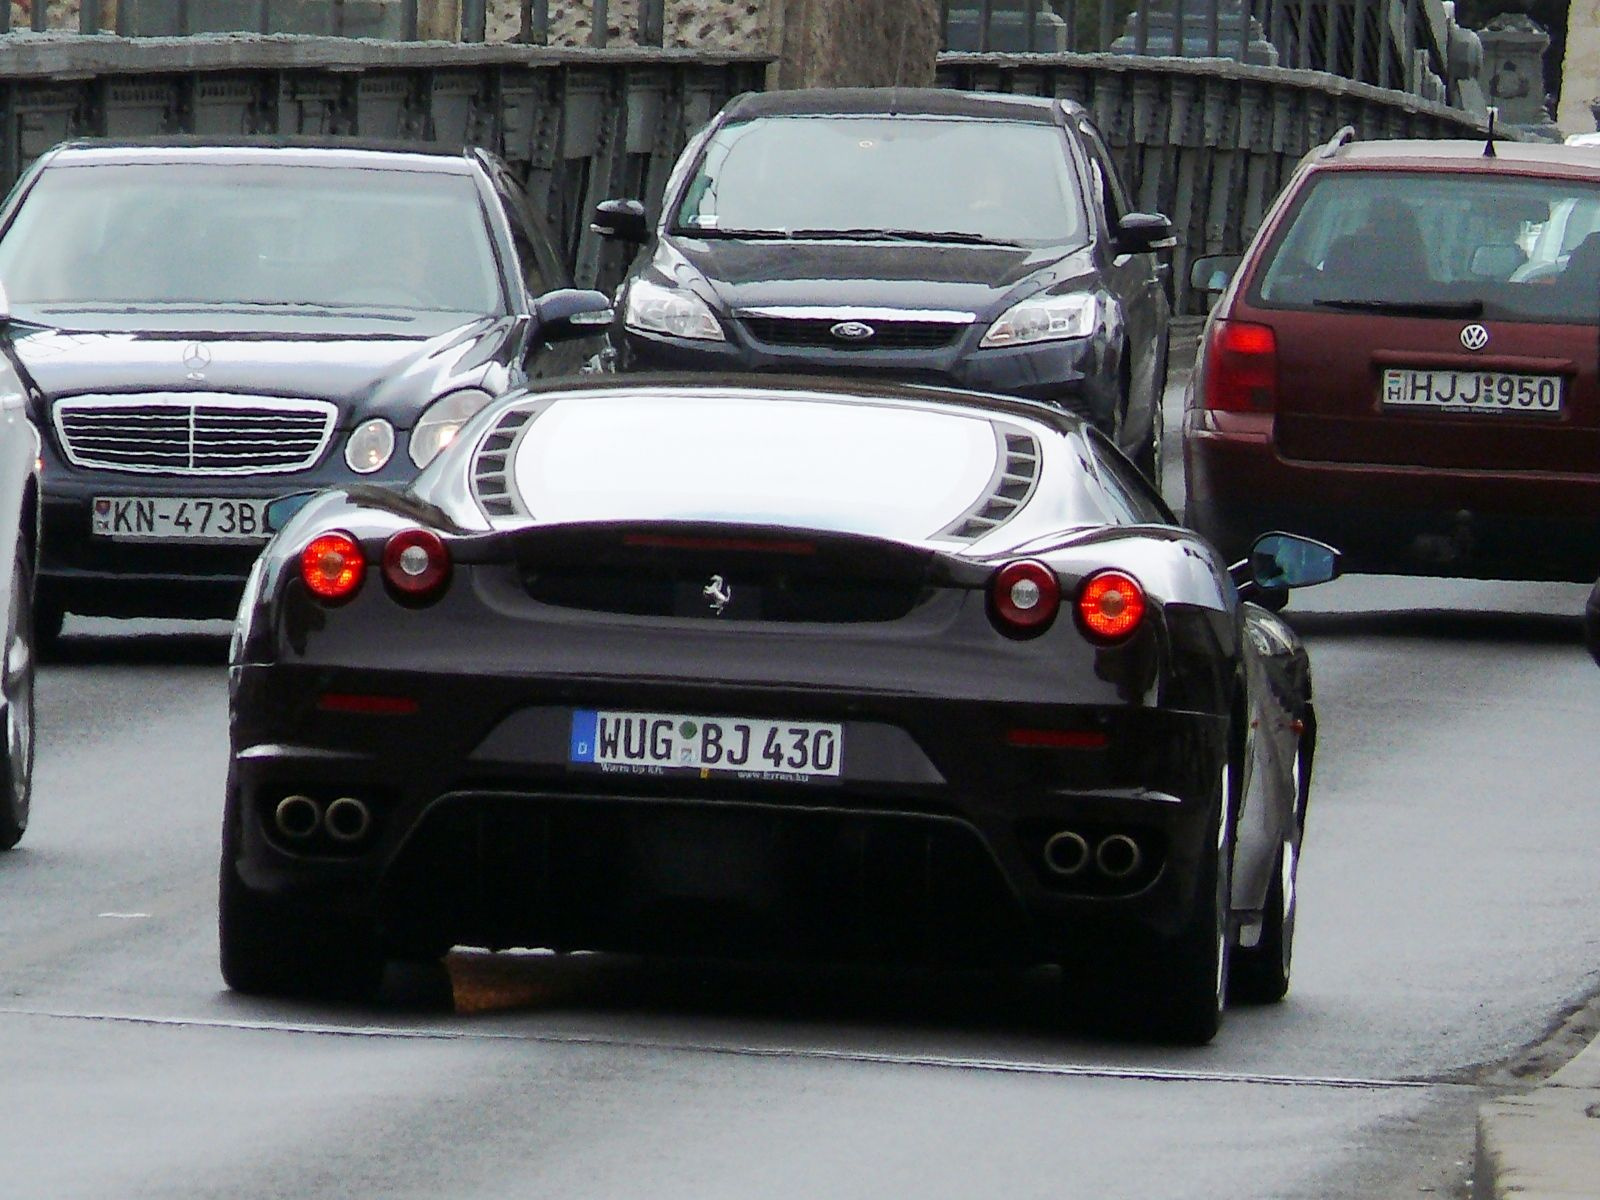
{"points": [[332, 566], [1025, 595], [1110, 606], [416, 563]]}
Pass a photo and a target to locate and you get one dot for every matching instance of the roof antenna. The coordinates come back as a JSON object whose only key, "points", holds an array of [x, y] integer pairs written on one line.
{"points": [[1488, 146]]}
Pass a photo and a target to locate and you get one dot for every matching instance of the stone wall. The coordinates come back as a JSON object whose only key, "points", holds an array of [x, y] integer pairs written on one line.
{"points": [[1580, 74], [738, 25]]}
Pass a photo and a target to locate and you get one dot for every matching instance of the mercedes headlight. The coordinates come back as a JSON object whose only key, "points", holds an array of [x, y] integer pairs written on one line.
{"points": [[370, 446], [1044, 319], [443, 420], [652, 308]]}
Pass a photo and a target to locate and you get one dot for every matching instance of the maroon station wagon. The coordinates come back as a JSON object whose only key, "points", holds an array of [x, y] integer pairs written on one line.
{"points": [[1405, 362]]}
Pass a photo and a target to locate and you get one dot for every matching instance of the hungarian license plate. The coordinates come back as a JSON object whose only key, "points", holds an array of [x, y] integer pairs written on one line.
{"points": [[742, 747], [1472, 391], [179, 519]]}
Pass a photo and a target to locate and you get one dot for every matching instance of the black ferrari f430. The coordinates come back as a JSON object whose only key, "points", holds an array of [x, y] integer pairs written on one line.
{"points": [[770, 668]]}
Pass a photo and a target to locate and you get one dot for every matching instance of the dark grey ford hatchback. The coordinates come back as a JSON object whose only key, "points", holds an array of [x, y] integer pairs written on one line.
{"points": [[967, 239]]}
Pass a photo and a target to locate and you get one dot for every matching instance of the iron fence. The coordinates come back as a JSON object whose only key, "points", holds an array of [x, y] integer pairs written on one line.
{"points": [[1408, 45]]}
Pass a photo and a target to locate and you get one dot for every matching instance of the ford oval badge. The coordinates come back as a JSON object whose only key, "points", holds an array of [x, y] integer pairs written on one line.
{"points": [[852, 331]]}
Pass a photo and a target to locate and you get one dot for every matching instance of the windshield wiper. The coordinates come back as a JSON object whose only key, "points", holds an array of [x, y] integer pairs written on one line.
{"points": [[958, 236], [1416, 308]]}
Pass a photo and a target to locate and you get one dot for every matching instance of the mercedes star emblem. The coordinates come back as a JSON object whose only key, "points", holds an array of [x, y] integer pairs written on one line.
{"points": [[196, 358], [852, 331], [1474, 337], [717, 594]]}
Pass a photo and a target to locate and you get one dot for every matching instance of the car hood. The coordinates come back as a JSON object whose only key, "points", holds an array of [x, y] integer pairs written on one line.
{"points": [[390, 368], [911, 275]]}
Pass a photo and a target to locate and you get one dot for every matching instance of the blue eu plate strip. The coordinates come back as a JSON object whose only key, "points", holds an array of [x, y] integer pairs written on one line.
{"points": [[584, 726]]}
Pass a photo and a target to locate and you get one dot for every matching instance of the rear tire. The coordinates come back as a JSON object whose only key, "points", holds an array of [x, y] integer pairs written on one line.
{"points": [[1260, 973], [270, 950], [1166, 989], [16, 693], [1186, 1005]]}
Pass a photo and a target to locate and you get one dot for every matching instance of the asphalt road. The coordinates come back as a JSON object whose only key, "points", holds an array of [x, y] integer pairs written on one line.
{"points": [[1447, 922]]}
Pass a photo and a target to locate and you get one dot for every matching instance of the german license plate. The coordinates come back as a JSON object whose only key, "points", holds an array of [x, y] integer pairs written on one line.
{"points": [[675, 743], [1472, 391], [179, 519]]}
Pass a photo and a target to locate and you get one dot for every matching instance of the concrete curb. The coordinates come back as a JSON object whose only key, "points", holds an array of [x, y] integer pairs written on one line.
{"points": [[1544, 1145]]}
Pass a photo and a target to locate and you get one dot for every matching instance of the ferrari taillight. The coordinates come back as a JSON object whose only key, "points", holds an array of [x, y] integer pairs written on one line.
{"points": [[1110, 606], [416, 564], [1241, 367], [332, 567], [1024, 597]]}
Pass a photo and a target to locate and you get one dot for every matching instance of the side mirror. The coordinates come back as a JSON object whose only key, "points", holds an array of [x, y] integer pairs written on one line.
{"points": [[1280, 561], [1213, 272], [623, 220], [280, 511], [572, 313], [1142, 233]]}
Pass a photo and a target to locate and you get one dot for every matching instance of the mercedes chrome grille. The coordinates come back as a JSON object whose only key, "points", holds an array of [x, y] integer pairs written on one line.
{"points": [[194, 433]]}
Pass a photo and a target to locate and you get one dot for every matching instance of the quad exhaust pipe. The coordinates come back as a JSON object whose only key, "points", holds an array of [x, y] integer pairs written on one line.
{"points": [[347, 820], [300, 818], [1067, 854]]}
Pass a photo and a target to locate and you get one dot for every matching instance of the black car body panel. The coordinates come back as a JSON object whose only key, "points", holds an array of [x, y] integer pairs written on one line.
{"points": [[965, 747], [227, 354], [929, 302]]}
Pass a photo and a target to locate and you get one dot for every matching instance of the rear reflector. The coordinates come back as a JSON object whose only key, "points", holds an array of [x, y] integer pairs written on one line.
{"points": [[1058, 739], [1241, 367], [1110, 606], [332, 566], [356, 702], [1024, 597]]}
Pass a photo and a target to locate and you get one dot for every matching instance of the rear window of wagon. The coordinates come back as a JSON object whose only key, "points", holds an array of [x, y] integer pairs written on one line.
{"points": [[1521, 247]]}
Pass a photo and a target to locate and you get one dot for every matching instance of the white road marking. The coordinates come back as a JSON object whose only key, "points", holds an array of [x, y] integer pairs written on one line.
{"points": [[128, 916], [934, 1061]]}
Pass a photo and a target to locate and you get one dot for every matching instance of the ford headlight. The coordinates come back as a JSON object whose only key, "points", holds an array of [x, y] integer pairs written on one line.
{"points": [[1044, 319], [443, 420], [652, 308], [370, 446]]}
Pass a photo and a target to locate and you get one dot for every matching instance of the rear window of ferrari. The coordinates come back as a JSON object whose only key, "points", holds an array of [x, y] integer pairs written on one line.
{"points": [[902, 472], [1452, 244]]}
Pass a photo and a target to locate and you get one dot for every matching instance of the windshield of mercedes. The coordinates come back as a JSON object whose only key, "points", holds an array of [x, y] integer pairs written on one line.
{"points": [[931, 178], [105, 235], [1469, 244]]}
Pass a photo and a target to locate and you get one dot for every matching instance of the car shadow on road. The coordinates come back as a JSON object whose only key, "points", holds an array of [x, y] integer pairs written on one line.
{"points": [[137, 649], [471, 983], [1461, 625]]}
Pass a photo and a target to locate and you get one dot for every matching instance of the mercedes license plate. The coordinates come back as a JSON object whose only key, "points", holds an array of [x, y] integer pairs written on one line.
{"points": [[738, 747], [179, 519], [1472, 391]]}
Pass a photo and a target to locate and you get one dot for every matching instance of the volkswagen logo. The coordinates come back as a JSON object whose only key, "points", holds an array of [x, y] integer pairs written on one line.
{"points": [[717, 594], [1474, 337], [852, 331]]}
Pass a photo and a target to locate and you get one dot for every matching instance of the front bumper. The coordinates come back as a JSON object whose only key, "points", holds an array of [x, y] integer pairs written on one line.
{"points": [[1389, 519], [930, 848], [1077, 375]]}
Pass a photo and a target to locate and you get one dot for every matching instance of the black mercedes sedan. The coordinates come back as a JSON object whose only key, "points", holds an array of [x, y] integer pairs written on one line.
{"points": [[979, 240], [204, 324], [770, 668]]}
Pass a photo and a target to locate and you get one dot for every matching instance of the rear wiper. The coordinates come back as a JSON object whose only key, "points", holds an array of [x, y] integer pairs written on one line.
{"points": [[1416, 308]]}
